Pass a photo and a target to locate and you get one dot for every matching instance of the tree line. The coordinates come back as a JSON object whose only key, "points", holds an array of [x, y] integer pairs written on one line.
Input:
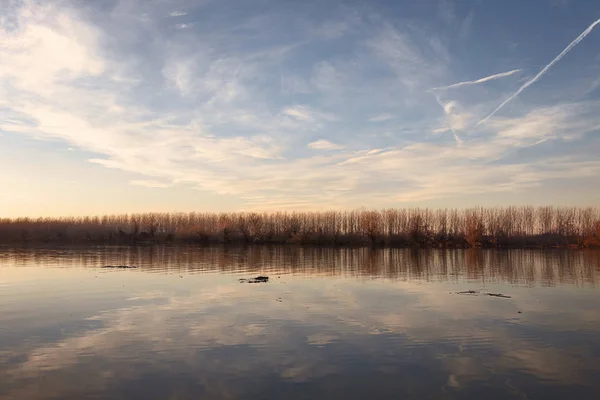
{"points": [[514, 226]]}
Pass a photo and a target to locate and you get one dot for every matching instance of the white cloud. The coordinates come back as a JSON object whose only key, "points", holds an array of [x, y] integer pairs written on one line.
{"points": [[565, 122], [323, 144], [298, 112], [456, 120], [308, 115], [41, 53], [178, 13]]}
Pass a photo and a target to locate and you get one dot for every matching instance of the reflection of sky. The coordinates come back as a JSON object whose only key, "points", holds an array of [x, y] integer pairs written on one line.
{"points": [[177, 334]]}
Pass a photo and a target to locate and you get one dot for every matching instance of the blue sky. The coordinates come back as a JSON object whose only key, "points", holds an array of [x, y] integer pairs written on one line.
{"points": [[131, 105]]}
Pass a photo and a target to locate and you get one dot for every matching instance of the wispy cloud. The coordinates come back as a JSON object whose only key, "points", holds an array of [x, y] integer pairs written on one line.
{"points": [[543, 71], [150, 183], [381, 117], [298, 112], [307, 114], [414, 65], [481, 80], [323, 144], [231, 111], [455, 120]]}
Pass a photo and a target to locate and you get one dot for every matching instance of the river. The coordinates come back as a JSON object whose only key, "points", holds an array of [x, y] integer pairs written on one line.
{"points": [[329, 323]]}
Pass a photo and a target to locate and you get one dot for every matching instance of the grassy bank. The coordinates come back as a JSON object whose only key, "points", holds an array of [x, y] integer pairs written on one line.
{"points": [[454, 228]]}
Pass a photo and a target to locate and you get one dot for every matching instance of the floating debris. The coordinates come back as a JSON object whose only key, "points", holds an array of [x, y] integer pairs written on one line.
{"points": [[258, 279], [487, 294], [119, 266], [499, 295]]}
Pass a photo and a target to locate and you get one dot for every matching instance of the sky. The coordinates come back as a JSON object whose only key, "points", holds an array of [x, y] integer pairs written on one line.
{"points": [[120, 106]]}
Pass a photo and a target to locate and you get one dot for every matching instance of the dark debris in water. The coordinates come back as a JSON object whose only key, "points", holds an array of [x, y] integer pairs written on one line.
{"points": [[499, 295], [258, 279], [487, 294], [119, 266]]}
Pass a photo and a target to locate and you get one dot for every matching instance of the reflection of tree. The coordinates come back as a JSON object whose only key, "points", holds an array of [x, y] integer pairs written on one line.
{"points": [[545, 267]]}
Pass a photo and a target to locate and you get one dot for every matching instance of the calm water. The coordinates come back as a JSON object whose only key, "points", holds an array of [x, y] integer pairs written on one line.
{"points": [[330, 323]]}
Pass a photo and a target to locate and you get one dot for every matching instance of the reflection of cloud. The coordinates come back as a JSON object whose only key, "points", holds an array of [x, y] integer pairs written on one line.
{"points": [[218, 326], [149, 295], [235, 315], [306, 371], [319, 339]]}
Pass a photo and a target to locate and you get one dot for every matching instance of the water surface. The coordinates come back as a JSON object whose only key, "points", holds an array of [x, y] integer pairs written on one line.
{"points": [[330, 323]]}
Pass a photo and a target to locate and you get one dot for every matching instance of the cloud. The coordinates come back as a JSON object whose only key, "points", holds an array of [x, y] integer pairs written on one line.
{"points": [[456, 120], [474, 166], [543, 71], [229, 110], [481, 80], [306, 114], [67, 49], [150, 183], [415, 66], [381, 117], [178, 13], [298, 112], [565, 122], [323, 144]]}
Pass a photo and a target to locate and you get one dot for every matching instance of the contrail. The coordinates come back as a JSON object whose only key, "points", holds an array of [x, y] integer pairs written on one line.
{"points": [[482, 80], [543, 71]]}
